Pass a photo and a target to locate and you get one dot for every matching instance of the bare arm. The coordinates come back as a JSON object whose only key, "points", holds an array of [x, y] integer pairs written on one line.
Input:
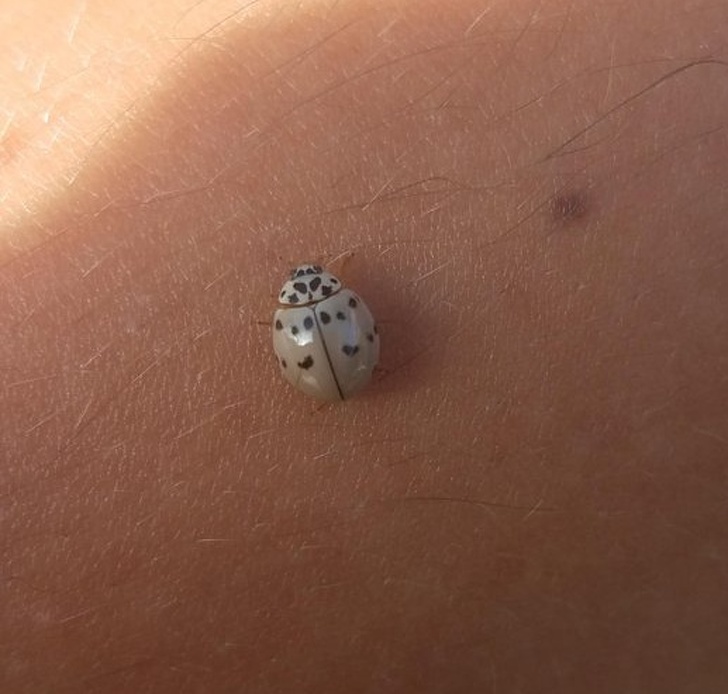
{"points": [[532, 496]]}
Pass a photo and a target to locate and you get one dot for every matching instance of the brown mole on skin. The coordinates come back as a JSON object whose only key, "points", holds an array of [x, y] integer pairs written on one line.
{"points": [[568, 207]]}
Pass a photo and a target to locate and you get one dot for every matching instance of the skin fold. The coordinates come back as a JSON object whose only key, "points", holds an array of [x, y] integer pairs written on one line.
{"points": [[530, 497]]}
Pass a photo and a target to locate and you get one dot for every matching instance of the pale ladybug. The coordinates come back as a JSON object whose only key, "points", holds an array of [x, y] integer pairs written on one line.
{"points": [[324, 336]]}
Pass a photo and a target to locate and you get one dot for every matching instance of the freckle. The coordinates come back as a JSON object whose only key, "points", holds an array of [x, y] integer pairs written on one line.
{"points": [[570, 206]]}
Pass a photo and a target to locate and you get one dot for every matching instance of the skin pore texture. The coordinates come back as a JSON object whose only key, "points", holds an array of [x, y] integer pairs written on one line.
{"points": [[530, 497]]}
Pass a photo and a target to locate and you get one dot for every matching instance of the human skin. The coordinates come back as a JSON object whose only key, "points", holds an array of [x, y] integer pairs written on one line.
{"points": [[530, 497]]}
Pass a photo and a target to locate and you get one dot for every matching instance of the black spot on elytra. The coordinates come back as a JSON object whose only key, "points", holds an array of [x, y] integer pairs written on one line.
{"points": [[293, 298], [300, 287], [334, 280], [340, 315], [350, 350], [283, 293], [308, 323], [279, 325], [316, 270], [294, 330], [352, 302], [326, 290], [307, 363], [314, 284], [325, 317], [284, 364]]}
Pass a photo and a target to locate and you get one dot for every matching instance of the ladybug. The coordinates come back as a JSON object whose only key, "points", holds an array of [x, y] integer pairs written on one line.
{"points": [[324, 336]]}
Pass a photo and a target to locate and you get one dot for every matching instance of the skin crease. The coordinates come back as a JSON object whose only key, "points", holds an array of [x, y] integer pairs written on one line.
{"points": [[529, 498]]}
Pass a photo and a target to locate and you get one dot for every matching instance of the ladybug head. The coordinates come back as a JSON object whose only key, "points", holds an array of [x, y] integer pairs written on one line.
{"points": [[303, 270], [307, 285]]}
